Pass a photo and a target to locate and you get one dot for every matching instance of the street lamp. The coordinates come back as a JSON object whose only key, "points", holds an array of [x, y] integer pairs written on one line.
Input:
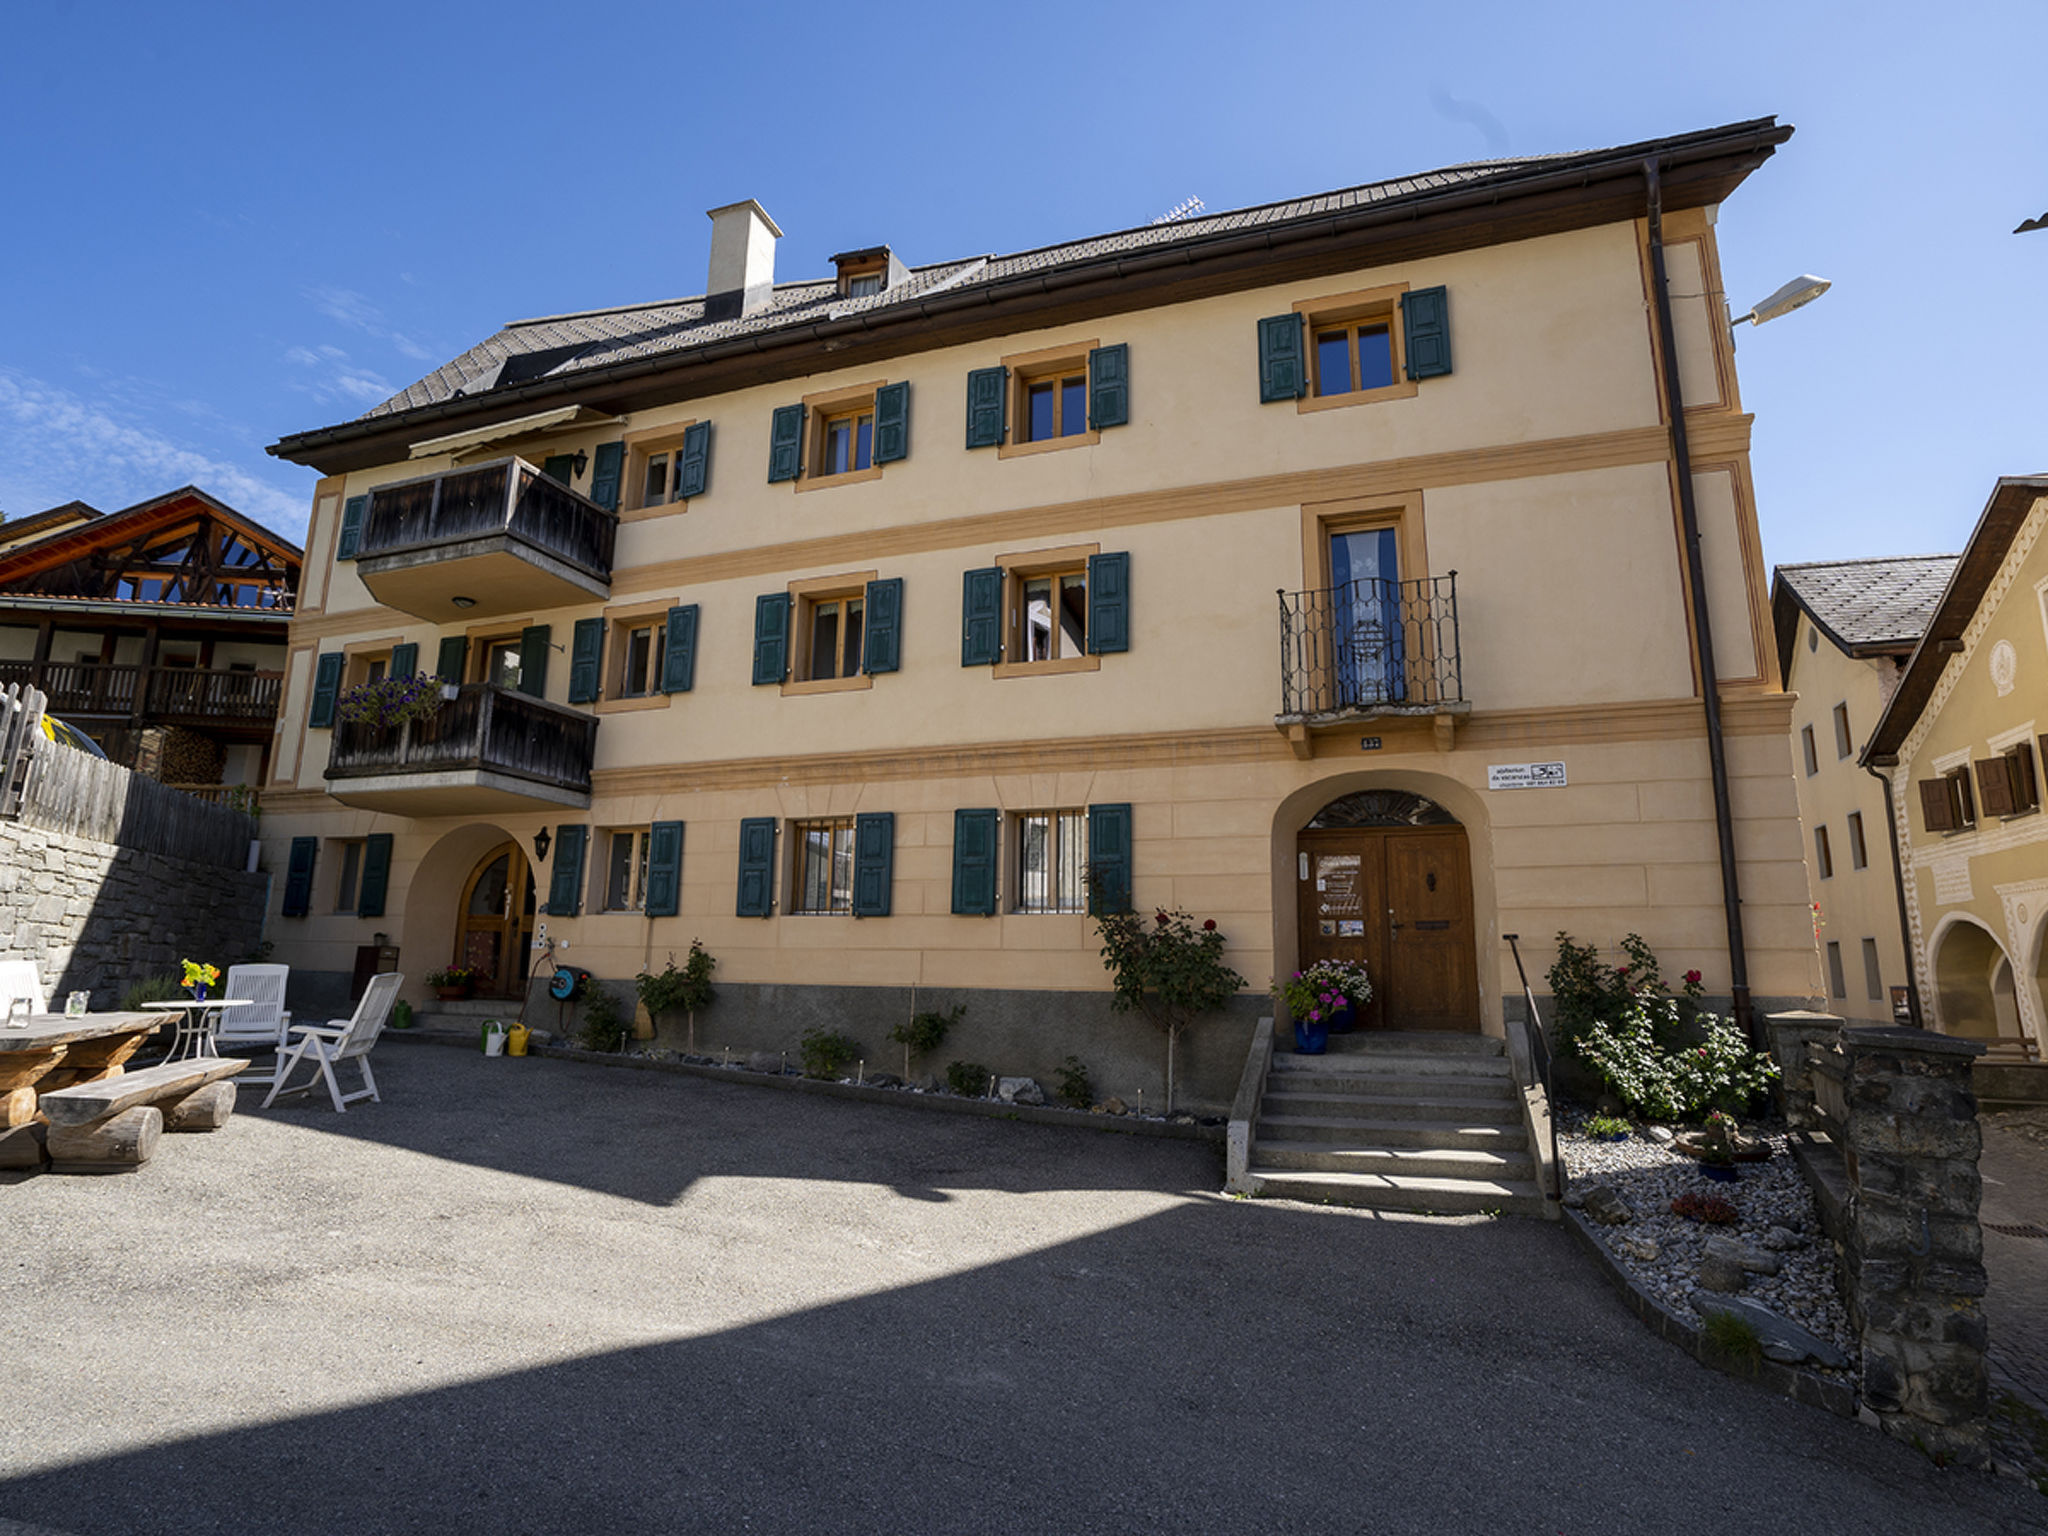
{"points": [[1797, 294]]}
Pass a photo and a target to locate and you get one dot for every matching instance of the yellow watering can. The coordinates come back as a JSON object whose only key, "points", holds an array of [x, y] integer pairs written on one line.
{"points": [[516, 1038]]}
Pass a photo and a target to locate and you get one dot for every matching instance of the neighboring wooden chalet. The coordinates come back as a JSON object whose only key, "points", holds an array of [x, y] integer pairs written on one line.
{"points": [[159, 631]]}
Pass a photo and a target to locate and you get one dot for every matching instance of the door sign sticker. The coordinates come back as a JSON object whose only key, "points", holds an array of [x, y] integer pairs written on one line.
{"points": [[1525, 776], [1326, 928], [1351, 928]]}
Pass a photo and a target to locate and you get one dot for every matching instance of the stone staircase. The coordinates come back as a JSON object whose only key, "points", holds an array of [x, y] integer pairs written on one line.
{"points": [[462, 1017], [1412, 1122]]}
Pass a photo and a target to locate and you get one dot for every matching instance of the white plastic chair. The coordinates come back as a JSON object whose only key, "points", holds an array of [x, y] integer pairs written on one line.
{"points": [[264, 1024], [18, 979], [340, 1040]]}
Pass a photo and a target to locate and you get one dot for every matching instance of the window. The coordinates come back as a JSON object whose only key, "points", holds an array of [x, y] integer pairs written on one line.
{"points": [[1052, 852], [2006, 785], [666, 465], [1837, 986], [1061, 609], [1812, 756], [1352, 348], [1353, 357], [833, 627], [348, 875], [1859, 855], [500, 662], [866, 286], [846, 443], [1052, 406], [830, 633], [1873, 981], [661, 478], [1823, 858], [824, 867], [641, 652], [1843, 747], [840, 435], [1053, 617], [1058, 397], [625, 873], [1946, 803]]}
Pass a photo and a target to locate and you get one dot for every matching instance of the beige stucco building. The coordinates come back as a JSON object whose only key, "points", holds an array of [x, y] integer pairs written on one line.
{"points": [[1961, 744], [841, 623]]}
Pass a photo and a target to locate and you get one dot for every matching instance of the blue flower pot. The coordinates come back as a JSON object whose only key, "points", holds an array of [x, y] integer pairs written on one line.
{"points": [[198, 991], [1342, 1020], [1311, 1039], [1720, 1175]]}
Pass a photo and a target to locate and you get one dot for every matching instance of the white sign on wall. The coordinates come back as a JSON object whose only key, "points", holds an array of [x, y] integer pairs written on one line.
{"points": [[1525, 776]]}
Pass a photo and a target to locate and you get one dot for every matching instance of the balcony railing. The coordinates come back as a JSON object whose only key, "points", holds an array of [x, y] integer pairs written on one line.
{"points": [[483, 728], [1370, 647], [186, 695], [502, 497]]}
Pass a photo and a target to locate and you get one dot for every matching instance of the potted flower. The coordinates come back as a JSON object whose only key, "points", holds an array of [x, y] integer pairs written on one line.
{"points": [[451, 982], [1325, 996], [199, 976], [390, 702]]}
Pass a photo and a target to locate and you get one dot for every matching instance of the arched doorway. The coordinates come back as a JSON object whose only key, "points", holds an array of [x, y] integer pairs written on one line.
{"points": [[1967, 962], [1384, 876], [494, 922]]}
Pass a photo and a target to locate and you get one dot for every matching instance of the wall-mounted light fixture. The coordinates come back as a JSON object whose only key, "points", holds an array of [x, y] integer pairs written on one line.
{"points": [[1797, 294], [581, 460], [463, 602], [541, 840]]}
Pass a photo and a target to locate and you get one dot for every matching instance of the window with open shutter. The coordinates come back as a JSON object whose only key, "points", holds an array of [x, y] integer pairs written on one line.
{"points": [[405, 660], [981, 618], [607, 469], [326, 689], [298, 879], [534, 643], [453, 658], [376, 875], [1109, 386], [1109, 603], [786, 443], [1282, 374], [1109, 858], [693, 477], [1426, 332], [664, 869], [351, 539], [1937, 807], [565, 885], [874, 857], [757, 867], [988, 396], [586, 651], [884, 641], [975, 836], [1994, 786], [771, 637], [679, 666], [560, 468], [892, 422]]}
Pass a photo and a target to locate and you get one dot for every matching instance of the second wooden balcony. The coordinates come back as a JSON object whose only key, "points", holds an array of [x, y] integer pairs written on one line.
{"points": [[486, 749]]}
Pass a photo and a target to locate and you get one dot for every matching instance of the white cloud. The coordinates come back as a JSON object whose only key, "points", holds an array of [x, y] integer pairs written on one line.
{"points": [[65, 448], [336, 378], [355, 310]]}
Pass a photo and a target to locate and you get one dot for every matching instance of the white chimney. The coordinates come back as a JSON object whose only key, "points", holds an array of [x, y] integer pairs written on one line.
{"points": [[742, 260]]}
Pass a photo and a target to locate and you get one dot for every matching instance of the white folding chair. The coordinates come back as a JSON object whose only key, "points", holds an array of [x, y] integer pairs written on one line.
{"points": [[263, 1025], [18, 979], [340, 1040]]}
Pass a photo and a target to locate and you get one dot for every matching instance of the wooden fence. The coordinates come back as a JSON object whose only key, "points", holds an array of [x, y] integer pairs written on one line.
{"points": [[56, 788]]}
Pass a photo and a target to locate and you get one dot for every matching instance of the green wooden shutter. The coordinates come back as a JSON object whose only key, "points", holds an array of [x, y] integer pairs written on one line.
{"points": [[679, 666], [695, 476], [453, 659], [892, 422], [352, 512], [757, 867], [298, 880], [974, 862], [376, 875], [1109, 386], [874, 857], [1109, 858], [559, 467], [326, 688], [1109, 603], [882, 646], [1282, 371], [405, 660], [664, 868], [534, 643], [981, 618], [586, 650], [786, 443], [565, 886], [1426, 332], [771, 637], [988, 395], [607, 468]]}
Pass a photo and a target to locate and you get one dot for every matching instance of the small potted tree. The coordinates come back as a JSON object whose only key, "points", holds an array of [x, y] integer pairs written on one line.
{"points": [[1170, 969]]}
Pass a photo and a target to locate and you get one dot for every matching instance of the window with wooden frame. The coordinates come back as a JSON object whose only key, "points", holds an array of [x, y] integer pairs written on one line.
{"points": [[348, 870], [625, 869], [1859, 852], [840, 436], [1946, 803], [498, 661], [1823, 855], [1050, 855], [2006, 784], [1356, 350], [667, 466], [822, 873], [1873, 975], [1057, 397], [1843, 746], [1838, 985], [1046, 612], [1812, 752]]}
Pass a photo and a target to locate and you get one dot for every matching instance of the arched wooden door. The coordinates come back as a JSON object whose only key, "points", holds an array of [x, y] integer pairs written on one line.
{"points": [[494, 926]]}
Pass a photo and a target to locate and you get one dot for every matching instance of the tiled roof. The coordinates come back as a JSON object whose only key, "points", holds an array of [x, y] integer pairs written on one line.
{"points": [[1872, 602], [560, 346]]}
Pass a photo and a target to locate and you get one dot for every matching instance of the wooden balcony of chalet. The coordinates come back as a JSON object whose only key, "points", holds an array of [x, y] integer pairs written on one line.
{"points": [[484, 539], [486, 749], [91, 693]]}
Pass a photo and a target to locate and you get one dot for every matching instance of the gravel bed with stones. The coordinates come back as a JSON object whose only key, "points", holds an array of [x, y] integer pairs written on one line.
{"points": [[1664, 1253]]}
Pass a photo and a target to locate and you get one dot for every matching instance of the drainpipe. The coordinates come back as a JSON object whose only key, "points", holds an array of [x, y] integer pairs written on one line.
{"points": [[1891, 827], [1696, 584]]}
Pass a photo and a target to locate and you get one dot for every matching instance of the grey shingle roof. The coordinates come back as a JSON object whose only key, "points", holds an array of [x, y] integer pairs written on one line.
{"points": [[562, 345], [1872, 602]]}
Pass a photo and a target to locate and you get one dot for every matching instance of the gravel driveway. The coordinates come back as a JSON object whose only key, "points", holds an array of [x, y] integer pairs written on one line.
{"points": [[552, 1297]]}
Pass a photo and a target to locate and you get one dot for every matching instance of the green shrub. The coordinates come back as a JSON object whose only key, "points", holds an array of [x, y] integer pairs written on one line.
{"points": [[1606, 1125], [1168, 969], [1733, 1336], [1075, 1090], [152, 989], [970, 1079], [1660, 1081], [827, 1053], [678, 991], [604, 1022], [924, 1033]]}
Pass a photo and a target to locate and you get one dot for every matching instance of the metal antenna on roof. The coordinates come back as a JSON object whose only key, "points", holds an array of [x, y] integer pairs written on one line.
{"points": [[1179, 211]]}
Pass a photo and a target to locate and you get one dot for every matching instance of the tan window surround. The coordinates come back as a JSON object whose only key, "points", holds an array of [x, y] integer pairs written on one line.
{"points": [[801, 595], [597, 900], [1338, 308], [1017, 569], [640, 446], [820, 408], [1027, 368], [355, 670], [480, 637], [1320, 519], [794, 865], [875, 266], [618, 622]]}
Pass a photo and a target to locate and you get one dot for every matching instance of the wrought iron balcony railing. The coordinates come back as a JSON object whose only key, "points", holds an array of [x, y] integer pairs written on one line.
{"points": [[182, 695], [503, 497], [484, 727], [1370, 647]]}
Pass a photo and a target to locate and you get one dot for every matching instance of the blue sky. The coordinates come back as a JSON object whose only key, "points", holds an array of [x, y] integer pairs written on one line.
{"points": [[229, 222]]}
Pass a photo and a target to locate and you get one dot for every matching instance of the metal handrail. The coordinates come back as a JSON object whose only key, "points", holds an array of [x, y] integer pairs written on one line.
{"points": [[1370, 647], [1540, 1069]]}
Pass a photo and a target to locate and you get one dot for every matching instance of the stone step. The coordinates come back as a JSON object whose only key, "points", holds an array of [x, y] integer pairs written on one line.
{"points": [[1353, 1106], [1394, 1064], [1335, 1085], [478, 1008], [1383, 1132], [1370, 1130], [1416, 1162], [1367, 1042], [1401, 1192]]}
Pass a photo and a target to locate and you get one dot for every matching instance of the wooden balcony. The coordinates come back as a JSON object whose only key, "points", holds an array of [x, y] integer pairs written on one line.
{"points": [[482, 540], [91, 692], [486, 749]]}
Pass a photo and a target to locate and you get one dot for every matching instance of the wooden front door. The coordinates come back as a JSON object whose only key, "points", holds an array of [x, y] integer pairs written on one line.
{"points": [[495, 922], [1399, 899]]}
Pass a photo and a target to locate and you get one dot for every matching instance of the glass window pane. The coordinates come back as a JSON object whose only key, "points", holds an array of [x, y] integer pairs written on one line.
{"points": [[856, 627], [638, 644], [1038, 619], [660, 655], [1375, 357], [817, 892], [619, 873], [824, 640], [1038, 420], [1072, 857], [503, 665], [863, 451], [641, 840], [656, 488], [842, 867], [1333, 362], [1033, 861], [1074, 615], [1073, 406], [838, 439], [345, 888]]}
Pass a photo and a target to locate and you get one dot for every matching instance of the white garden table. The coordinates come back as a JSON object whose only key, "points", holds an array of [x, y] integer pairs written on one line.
{"points": [[196, 1018]]}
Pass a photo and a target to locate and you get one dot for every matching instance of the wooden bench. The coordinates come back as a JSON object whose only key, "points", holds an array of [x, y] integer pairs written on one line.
{"points": [[112, 1126]]}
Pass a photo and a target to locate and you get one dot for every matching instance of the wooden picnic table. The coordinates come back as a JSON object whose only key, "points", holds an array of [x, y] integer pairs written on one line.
{"points": [[55, 1051]]}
